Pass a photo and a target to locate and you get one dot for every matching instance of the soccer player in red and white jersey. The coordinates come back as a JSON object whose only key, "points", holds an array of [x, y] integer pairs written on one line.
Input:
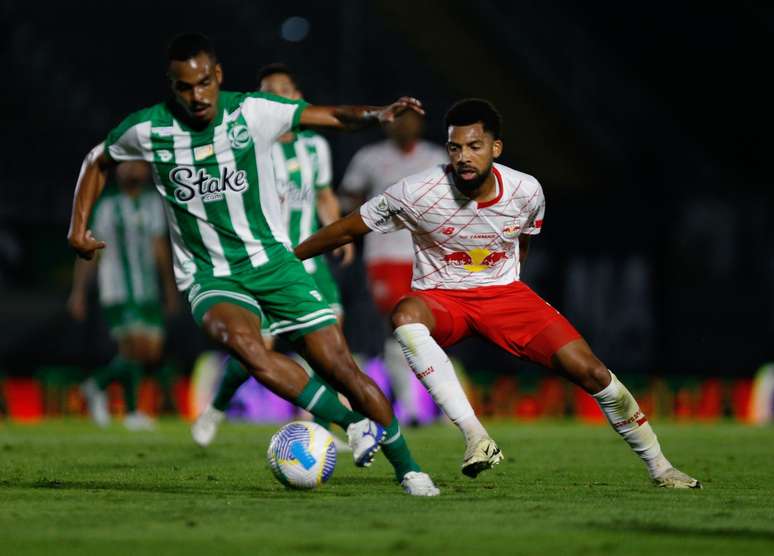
{"points": [[471, 221], [389, 259]]}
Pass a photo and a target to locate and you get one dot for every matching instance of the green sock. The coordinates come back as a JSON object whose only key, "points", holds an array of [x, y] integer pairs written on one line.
{"points": [[324, 423], [131, 383], [323, 403], [396, 450], [234, 376], [115, 370]]}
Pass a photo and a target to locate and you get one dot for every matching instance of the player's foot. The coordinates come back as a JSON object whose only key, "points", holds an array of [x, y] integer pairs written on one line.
{"points": [[480, 456], [417, 483], [674, 478], [206, 426], [364, 438], [97, 402], [139, 421], [340, 445]]}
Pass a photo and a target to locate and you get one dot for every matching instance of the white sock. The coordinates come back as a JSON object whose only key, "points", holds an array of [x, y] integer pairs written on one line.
{"points": [[434, 370], [625, 416], [400, 376]]}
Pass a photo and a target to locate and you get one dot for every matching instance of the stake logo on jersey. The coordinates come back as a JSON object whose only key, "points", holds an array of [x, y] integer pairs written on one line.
{"points": [[200, 182], [460, 243]]}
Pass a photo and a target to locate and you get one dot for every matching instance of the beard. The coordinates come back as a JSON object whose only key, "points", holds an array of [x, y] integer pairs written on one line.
{"points": [[466, 186]]}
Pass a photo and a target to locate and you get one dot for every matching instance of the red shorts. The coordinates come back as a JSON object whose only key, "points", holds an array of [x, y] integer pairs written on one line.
{"points": [[389, 281], [511, 316]]}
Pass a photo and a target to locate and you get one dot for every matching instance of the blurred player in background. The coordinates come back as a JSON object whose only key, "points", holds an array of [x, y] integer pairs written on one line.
{"points": [[211, 154], [131, 219], [471, 221], [303, 171], [389, 259]]}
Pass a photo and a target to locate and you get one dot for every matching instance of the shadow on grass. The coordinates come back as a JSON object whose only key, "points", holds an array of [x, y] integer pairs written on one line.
{"points": [[681, 531]]}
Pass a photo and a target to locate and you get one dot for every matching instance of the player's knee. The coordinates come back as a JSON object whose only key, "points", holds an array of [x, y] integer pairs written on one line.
{"points": [[405, 312], [595, 375]]}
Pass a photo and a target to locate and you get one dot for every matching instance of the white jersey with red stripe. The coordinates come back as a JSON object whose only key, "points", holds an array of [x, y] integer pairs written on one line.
{"points": [[372, 170], [460, 243]]}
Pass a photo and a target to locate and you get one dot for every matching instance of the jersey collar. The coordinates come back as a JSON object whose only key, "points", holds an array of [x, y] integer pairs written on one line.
{"points": [[496, 200]]}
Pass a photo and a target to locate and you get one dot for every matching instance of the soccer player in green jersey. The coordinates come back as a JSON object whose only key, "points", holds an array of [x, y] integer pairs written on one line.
{"points": [[303, 171], [211, 157], [131, 217]]}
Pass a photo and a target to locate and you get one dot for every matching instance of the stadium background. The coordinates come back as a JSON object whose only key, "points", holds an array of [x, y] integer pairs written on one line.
{"points": [[648, 128]]}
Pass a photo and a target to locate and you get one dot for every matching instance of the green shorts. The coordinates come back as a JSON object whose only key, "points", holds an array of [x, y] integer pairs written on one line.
{"points": [[326, 285], [281, 293], [134, 318]]}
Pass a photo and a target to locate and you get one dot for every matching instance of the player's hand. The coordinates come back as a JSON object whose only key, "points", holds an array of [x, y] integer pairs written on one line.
{"points": [[403, 104], [85, 244], [345, 254], [76, 305]]}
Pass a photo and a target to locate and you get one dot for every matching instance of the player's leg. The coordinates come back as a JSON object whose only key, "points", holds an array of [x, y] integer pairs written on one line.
{"points": [[144, 346], [578, 363], [239, 331], [389, 282], [328, 353], [415, 323]]}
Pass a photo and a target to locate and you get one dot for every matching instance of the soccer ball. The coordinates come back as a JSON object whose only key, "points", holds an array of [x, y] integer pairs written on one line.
{"points": [[302, 455]]}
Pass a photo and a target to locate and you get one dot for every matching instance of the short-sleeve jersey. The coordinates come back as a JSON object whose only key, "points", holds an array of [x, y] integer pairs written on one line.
{"points": [[127, 271], [372, 170], [218, 183], [302, 168], [459, 243]]}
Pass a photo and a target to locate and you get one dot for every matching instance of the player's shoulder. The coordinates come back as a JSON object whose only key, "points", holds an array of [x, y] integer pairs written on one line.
{"points": [[312, 137], [232, 100], [432, 148], [437, 174], [514, 178], [372, 151], [154, 113]]}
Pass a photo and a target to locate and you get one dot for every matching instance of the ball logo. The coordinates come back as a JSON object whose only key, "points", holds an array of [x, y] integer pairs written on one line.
{"points": [[238, 136]]}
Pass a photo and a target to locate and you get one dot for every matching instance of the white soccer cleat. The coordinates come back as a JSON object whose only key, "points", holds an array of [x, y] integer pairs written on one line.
{"points": [[139, 421], [674, 478], [364, 438], [206, 426], [341, 446], [417, 483], [97, 402], [480, 456]]}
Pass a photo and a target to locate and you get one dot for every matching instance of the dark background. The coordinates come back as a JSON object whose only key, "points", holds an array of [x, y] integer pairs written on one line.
{"points": [[647, 124]]}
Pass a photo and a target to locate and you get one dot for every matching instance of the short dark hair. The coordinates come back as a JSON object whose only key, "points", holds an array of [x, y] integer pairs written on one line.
{"points": [[275, 68], [471, 111], [187, 45]]}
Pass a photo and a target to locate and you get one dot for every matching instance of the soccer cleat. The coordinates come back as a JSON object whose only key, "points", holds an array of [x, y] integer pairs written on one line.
{"points": [[97, 402], [139, 421], [340, 445], [674, 478], [417, 483], [482, 455], [206, 426], [364, 438]]}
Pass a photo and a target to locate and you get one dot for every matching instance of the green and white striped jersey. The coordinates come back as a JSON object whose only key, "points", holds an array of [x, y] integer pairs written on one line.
{"points": [[302, 167], [127, 271], [221, 198]]}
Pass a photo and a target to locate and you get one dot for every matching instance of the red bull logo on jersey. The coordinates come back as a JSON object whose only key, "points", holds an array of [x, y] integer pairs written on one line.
{"points": [[475, 260], [510, 230]]}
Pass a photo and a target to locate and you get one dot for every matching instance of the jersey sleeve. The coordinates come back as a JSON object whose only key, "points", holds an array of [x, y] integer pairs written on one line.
{"points": [[356, 180], [269, 116], [324, 174], [130, 140], [538, 209], [388, 212]]}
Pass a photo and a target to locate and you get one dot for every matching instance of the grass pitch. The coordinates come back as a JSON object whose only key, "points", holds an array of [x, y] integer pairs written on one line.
{"points": [[68, 488]]}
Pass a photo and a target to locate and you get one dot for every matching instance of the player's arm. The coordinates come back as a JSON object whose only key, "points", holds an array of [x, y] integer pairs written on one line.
{"points": [[163, 258], [341, 232], [83, 273], [350, 118], [91, 182], [328, 211]]}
